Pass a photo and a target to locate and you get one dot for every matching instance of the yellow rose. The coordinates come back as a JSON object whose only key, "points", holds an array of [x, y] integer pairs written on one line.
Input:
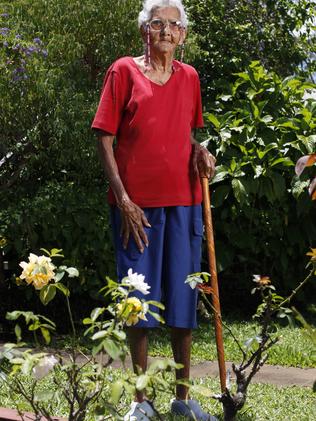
{"points": [[135, 304], [132, 310], [38, 271]]}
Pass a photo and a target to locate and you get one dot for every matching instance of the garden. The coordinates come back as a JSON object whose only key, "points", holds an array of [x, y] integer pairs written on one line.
{"points": [[62, 312]]}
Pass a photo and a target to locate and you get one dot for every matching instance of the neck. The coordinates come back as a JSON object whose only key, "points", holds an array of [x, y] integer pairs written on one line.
{"points": [[162, 63]]}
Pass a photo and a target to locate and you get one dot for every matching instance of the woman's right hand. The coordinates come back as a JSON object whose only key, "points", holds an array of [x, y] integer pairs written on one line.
{"points": [[133, 222]]}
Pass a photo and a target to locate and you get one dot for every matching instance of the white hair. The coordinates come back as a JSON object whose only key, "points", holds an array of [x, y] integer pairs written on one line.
{"points": [[150, 5]]}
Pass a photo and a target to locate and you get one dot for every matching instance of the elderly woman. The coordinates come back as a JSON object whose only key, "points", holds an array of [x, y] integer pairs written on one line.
{"points": [[152, 104]]}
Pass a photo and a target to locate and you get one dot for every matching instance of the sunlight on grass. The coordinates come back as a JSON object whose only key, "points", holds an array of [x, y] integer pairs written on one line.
{"points": [[293, 349]]}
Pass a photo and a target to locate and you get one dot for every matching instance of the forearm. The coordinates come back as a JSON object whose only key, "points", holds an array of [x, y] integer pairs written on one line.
{"points": [[106, 153], [192, 138]]}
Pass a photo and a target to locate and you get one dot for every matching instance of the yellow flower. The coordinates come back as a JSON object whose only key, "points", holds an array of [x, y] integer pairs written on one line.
{"points": [[312, 254], [135, 304], [38, 271], [132, 310], [261, 280]]}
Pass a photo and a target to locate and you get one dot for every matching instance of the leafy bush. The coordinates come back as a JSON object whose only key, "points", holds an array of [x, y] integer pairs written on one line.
{"points": [[263, 215], [231, 34], [52, 188]]}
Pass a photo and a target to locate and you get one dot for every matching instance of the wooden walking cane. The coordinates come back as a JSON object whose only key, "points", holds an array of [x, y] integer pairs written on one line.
{"points": [[214, 283]]}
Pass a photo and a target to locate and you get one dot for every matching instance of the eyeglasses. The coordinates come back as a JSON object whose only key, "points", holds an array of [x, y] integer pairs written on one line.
{"points": [[159, 25]]}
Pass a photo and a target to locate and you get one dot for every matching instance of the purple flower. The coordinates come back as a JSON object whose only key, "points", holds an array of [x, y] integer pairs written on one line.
{"points": [[4, 31], [4, 15], [5, 43], [37, 41], [19, 70], [30, 50], [16, 47], [18, 36], [45, 53]]}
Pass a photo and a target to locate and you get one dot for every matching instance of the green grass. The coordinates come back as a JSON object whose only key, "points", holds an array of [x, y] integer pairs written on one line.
{"points": [[294, 348], [264, 402]]}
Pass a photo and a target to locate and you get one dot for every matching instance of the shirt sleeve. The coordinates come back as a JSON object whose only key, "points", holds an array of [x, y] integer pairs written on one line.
{"points": [[112, 103], [197, 117]]}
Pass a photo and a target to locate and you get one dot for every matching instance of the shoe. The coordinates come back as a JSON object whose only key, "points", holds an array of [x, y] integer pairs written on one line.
{"points": [[140, 411], [191, 410]]}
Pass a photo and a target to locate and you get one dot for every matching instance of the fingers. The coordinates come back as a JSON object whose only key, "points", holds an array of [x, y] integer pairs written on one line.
{"points": [[145, 220], [140, 237], [206, 163], [133, 222]]}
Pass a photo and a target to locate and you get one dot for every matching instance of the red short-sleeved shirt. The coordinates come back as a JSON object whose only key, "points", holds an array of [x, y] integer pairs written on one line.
{"points": [[152, 124]]}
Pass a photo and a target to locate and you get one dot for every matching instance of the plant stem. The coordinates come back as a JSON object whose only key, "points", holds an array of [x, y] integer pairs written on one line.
{"points": [[71, 319], [295, 291]]}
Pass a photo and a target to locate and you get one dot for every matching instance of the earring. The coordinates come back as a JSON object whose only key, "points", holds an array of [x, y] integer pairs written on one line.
{"points": [[182, 52], [147, 48]]}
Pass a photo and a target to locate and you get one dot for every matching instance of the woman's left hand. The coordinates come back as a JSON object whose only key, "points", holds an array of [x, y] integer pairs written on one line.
{"points": [[203, 162]]}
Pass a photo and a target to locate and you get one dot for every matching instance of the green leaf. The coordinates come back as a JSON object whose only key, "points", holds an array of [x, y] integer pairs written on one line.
{"points": [[158, 365], [267, 149], [266, 119], [286, 162], [156, 304], [157, 316], [289, 124], [56, 252], [72, 272], [18, 332], [142, 381], [220, 174], [87, 321], [59, 275], [255, 110], [99, 335], [46, 335], [96, 312], [119, 334], [47, 293], [239, 191], [116, 391], [63, 289], [213, 119], [225, 97], [242, 75], [111, 349]]}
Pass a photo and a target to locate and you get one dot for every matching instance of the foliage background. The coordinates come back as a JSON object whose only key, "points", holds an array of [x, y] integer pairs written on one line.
{"points": [[52, 190]]}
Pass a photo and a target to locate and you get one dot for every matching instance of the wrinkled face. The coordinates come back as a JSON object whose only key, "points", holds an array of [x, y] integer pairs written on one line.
{"points": [[166, 39]]}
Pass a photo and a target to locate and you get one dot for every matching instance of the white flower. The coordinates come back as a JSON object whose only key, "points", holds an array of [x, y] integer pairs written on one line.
{"points": [[193, 280], [256, 278], [137, 281], [44, 366]]}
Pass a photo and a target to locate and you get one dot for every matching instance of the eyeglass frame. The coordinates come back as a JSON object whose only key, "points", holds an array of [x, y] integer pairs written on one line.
{"points": [[178, 23]]}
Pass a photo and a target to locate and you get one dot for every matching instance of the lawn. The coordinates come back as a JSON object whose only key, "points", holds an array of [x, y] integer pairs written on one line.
{"points": [[265, 402], [294, 348]]}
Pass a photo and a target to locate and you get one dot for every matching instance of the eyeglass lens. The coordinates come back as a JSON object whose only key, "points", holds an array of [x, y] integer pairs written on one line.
{"points": [[158, 25]]}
